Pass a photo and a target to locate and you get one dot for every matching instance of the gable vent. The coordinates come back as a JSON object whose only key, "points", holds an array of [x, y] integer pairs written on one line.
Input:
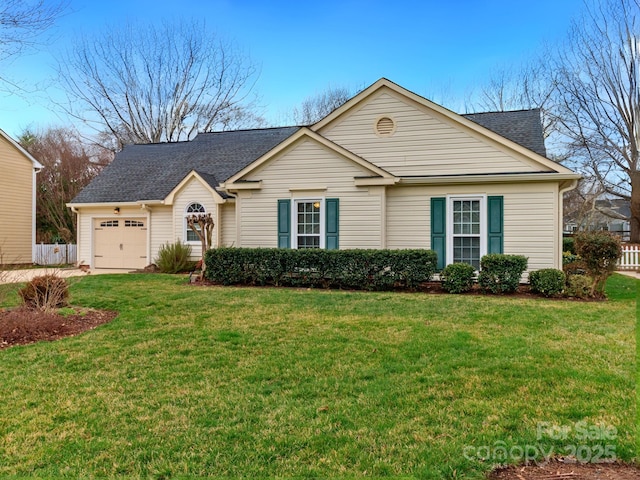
{"points": [[385, 127]]}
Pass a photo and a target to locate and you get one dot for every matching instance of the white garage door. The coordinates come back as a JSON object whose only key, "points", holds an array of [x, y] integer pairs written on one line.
{"points": [[120, 243]]}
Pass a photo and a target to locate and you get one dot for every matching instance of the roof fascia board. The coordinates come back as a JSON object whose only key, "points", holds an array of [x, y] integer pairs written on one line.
{"points": [[374, 181], [109, 204], [494, 178], [304, 132], [36, 164], [442, 111]]}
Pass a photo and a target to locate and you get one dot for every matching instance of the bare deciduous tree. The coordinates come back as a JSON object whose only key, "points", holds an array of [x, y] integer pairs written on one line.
{"points": [[69, 165], [527, 87], [23, 21], [598, 82], [148, 84], [316, 107]]}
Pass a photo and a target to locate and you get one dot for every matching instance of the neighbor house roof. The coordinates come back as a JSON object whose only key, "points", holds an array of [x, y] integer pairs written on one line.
{"points": [[614, 208], [152, 171], [521, 126]]}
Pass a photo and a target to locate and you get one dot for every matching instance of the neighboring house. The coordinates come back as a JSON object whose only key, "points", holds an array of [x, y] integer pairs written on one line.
{"points": [[609, 214], [388, 169], [18, 171]]}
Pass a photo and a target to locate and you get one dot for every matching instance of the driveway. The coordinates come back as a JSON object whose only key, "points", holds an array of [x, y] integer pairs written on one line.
{"points": [[17, 276]]}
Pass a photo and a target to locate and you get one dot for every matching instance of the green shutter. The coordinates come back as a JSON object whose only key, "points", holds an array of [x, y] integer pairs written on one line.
{"points": [[439, 229], [495, 224], [332, 223], [284, 223]]}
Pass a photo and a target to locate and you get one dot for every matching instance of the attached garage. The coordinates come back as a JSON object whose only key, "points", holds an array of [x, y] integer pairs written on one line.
{"points": [[120, 243]]}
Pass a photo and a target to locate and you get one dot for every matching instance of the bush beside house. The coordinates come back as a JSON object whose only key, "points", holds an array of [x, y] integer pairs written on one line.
{"points": [[352, 269]]}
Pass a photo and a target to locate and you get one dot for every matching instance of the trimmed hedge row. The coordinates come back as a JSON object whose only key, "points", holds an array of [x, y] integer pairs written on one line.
{"points": [[350, 269]]}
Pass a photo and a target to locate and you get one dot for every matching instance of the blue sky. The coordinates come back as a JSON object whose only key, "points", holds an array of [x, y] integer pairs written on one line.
{"points": [[441, 49]]}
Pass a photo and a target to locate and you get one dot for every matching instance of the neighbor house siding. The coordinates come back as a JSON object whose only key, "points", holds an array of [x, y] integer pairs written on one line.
{"points": [[16, 214], [228, 224], [193, 191], [309, 170], [424, 143], [530, 218]]}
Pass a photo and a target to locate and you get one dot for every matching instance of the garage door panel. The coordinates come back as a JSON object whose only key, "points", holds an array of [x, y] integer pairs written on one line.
{"points": [[120, 243]]}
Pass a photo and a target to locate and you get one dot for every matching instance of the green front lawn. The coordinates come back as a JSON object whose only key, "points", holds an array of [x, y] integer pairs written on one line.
{"points": [[193, 381]]}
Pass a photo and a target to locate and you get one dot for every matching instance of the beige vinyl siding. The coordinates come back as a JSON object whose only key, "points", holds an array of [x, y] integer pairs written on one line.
{"points": [[86, 221], [304, 171], [424, 142], [16, 214], [228, 224], [193, 191], [160, 228], [530, 218]]}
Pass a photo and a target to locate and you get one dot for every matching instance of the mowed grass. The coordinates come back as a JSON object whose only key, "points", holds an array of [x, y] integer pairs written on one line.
{"points": [[265, 382]]}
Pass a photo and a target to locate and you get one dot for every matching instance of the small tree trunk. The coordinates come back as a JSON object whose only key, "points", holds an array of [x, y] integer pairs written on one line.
{"points": [[635, 207], [204, 233]]}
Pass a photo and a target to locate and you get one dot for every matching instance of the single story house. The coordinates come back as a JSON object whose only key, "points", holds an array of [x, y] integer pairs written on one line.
{"points": [[388, 169], [18, 201]]}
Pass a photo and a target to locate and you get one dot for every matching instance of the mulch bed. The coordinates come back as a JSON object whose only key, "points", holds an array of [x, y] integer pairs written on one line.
{"points": [[560, 469], [435, 288], [21, 325]]}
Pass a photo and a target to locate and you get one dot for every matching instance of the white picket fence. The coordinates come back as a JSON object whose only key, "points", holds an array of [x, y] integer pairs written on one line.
{"points": [[54, 254], [630, 259]]}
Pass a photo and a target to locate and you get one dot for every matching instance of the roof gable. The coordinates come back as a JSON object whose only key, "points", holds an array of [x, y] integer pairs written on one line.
{"points": [[477, 126], [208, 181], [307, 134]]}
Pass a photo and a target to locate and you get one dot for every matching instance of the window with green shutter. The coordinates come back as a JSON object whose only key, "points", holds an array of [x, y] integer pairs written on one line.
{"points": [[465, 228], [309, 223], [284, 223], [332, 230], [439, 229], [495, 224]]}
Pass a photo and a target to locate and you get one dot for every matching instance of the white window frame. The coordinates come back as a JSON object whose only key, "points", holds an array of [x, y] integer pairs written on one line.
{"points": [[294, 219], [483, 222], [185, 228]]}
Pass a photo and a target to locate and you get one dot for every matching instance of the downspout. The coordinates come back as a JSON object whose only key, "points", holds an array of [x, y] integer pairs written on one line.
{"points": [[569, 186], [78, 230], [33, 214]]}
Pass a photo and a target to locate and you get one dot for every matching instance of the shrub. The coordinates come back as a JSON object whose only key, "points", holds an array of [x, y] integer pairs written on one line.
{"points": [[574, 268], [501, 273], [357, 269], [174, 258], [568, 245], [457, 277], [548, 281], [45, 292], [600, 252], [578, 286], [568, 258]]}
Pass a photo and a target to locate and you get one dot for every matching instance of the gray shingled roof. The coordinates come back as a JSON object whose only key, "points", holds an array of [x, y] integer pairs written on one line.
{"points": [[151, 172], [521, 126]]}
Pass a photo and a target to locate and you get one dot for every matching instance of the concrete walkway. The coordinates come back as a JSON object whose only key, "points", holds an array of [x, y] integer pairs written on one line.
{"points": [[17, 276], [629, 273]]}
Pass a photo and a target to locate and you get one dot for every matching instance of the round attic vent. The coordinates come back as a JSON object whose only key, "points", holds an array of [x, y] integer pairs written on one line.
{"points": [[385, 126]]}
